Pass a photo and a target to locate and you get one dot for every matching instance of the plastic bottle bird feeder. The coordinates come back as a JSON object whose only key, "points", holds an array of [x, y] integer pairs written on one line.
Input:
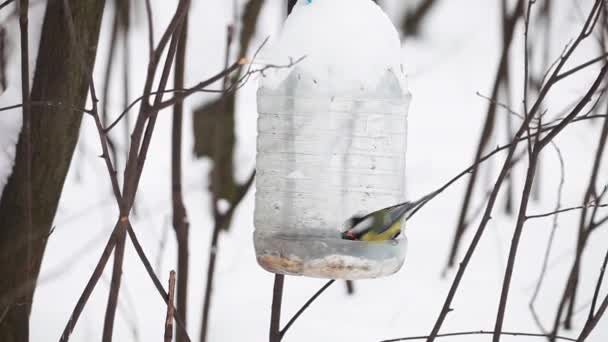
{"points": [[331, 141]]}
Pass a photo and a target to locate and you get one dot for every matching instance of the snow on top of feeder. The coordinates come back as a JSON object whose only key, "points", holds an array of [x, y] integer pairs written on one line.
{"points": [[348, 46]]}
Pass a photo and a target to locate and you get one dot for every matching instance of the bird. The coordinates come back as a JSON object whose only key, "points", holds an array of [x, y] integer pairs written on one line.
{"points": [[380, 225]]}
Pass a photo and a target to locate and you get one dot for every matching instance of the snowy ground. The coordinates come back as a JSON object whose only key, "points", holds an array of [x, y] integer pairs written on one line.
{"points": [[456, 58]]}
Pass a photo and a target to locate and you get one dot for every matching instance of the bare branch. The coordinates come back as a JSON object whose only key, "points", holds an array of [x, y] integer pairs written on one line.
{"points": [[590, 325], [220, 221], [598, 286], [159, 287], [412, 20], [108, 78], [543, 271], [180, 217], [565, 210], [199, 87], [501, 105], [88, 290], [5, 3], [277, 298], [170, 309], [304, 307], [48, 104], [480, 332], [119, 255], [598, 223], [582, 66], [584, 231], [150, 28]]}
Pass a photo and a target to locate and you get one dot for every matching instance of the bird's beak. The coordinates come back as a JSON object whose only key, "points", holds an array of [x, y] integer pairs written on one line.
{"points": [[348, 235]]}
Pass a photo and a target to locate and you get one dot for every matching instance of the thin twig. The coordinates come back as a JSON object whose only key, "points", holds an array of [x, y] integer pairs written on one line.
{"points": [[198, 87], [126, 78], [593, 323], [217, 227], [543, 271], [277, 298], [350, 287], [119, 255], [501, 105], [162, 243], [3, 58], [170, 309], [220, 222], [413, 19], [584, 231], [108, 78], [4, 313], [598, 286], [180, 217], [304, 307], [150, 28], [48, 104], [5, 3], [479, 332], [527, 69], [119, 250], [88, 290], [514, 244], [159, 286], [598, 223], [582, 66], [565, 210]]}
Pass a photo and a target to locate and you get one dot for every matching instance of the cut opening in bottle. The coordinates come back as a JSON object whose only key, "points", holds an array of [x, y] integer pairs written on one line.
{"points": [[320, 255]]}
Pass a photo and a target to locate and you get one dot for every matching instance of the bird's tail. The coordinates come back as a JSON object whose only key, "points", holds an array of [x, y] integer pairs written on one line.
{"points": [[406, 208]]}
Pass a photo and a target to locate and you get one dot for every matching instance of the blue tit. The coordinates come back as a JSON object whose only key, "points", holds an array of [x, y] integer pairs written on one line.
{"points": [[380, 225]]}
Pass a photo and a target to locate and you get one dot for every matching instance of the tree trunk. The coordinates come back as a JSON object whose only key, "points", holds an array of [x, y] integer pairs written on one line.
{"points": [[61, 81]]}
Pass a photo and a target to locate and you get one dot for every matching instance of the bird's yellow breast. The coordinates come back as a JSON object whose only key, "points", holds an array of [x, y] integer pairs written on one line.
{"points": [[385, 235]]}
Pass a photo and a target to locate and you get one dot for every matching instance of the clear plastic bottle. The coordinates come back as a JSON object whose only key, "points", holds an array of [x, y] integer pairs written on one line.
{"points": [[321, 158]]}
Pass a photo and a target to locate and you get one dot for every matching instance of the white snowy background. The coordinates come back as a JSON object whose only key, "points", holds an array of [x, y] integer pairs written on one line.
{"points": [[455, 57]]}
